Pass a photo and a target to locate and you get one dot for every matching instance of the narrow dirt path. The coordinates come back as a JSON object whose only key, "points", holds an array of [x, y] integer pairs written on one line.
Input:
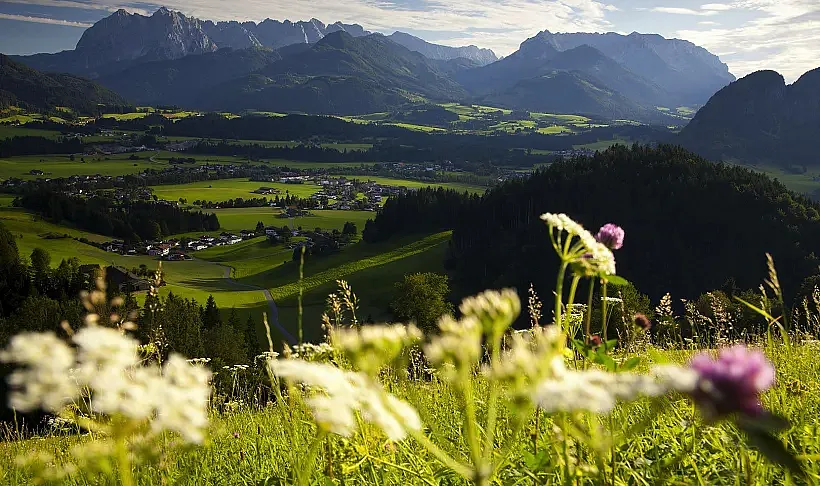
{"points": [[273, 315]]}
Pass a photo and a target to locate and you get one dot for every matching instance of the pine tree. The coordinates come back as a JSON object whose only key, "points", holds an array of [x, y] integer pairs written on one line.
{"points": [[252, 337], [210, 316]]}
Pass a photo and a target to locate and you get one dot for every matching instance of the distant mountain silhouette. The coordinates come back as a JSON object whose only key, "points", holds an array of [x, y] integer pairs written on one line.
{"points": [[758, 119], [443, 53]]}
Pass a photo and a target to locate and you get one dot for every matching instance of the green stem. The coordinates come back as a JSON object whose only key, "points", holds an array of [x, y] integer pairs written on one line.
{"points": [[492, 407], [306, 470], [559, 293], [442, 456], [589, 312], [470, 416], [123, 462], [604, 319], [571, 300], [507, 449]]}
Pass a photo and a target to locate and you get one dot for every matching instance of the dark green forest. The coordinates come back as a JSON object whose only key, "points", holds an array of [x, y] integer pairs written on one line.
{"points": [[692, 226]]}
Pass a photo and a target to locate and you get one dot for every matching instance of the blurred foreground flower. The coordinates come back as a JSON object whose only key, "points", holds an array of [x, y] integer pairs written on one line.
{"points": [[337, 395], [105, 368], [733, 382]]}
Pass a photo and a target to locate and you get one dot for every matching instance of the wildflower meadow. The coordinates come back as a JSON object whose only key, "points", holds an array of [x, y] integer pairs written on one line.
{"points": [[571, 399]]}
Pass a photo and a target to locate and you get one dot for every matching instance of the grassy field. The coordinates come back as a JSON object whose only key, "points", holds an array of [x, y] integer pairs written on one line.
{"points": [[7, 131], [807, 183], [224, 189], [246, 218], [602, 144], [63, 166], [373, 281], [418, 184]]}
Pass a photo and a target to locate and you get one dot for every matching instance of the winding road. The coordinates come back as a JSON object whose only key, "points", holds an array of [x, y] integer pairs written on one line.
{"points": [[273, 317]]}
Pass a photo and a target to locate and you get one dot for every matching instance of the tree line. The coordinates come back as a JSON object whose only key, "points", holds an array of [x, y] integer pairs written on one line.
{"points": [[128, 220]]}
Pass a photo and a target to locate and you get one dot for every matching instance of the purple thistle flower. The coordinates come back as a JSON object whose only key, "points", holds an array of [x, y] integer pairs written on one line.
{"points": [[611, 235], [642, 322], [733, 382]]}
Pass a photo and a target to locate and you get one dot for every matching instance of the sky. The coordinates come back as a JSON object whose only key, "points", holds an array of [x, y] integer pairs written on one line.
{"points": [[748, 35]]}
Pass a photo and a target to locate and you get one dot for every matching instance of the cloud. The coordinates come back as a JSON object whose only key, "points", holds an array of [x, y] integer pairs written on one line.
{"points": [[683, 11], [781, 35], [104, 6], [719, 7], [44, 20], [708, 23]]}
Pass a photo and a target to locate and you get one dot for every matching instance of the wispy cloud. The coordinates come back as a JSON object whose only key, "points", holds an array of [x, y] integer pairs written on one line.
{"points": [[682, 11], [44, 20], [781, 35], [719, 7], [708, 23]]}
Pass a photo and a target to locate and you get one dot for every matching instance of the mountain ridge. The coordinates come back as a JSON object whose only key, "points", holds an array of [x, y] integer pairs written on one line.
{"points": [[759, 119]]}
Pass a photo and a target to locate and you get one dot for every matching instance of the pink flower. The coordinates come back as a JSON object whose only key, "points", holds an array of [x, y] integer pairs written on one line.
{"points": [[733, 382], [611, 235]]}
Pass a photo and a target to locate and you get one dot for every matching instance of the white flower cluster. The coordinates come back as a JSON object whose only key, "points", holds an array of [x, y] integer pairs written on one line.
{"points": [[371, 347], [457, 347], [45, 382], [533, 355], [311, 352], [593, 257], [106, 364], [597, 391], [495, 310], [341, 394]]}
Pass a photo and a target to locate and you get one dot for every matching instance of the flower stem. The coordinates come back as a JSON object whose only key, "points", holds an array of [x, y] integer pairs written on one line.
{"points": [[306, 470], [604, 320], [559, 293], [589, 312], [124, 462], [571, 301], [470, 417], [492, 407]]}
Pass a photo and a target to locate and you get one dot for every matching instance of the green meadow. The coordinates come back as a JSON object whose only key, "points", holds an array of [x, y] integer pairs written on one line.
{"points": [[419, 184], [224, 189]]}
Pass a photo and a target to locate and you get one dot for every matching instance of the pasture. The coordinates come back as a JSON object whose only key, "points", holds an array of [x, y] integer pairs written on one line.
{"points": [[54, 166], [224, 189], [419, 184]]}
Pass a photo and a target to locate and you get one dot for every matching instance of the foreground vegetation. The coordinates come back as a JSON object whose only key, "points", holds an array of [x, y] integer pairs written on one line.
{"points": [[540, 406]]}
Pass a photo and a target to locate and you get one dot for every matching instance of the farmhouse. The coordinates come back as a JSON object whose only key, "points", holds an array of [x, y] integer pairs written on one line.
{"points": [[124, 280]]}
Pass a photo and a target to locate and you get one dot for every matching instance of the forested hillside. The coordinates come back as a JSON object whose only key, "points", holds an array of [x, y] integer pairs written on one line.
{"points": [[691, 225], [32, 90]]}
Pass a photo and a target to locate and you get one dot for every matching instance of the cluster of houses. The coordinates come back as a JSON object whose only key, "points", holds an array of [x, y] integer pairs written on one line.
{"points": [[176, 249]]}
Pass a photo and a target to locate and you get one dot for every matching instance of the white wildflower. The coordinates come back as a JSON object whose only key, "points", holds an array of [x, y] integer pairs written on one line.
{"points": [[562, 222], [457, 347], [183, 403], [371, 347], [44, 381], [340, 394], [495, 310], [597, 390], [102, 348], [311, 352]]}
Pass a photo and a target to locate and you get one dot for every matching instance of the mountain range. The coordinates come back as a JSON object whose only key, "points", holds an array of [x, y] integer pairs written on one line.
{"points": [[759, 119], [168, 58]]}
